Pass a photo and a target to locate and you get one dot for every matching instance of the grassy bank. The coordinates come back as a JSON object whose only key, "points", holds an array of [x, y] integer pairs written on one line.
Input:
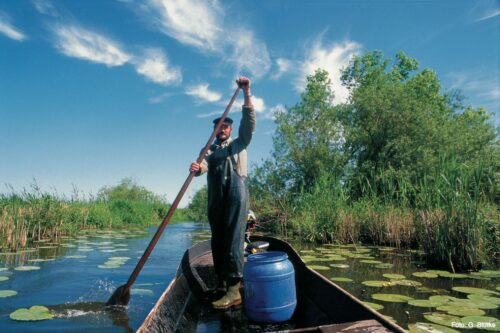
{"points": [[447, 213], [33, 215]]}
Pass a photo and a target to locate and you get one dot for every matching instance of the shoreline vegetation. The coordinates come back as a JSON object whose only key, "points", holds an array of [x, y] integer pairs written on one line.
{"points": [[32, 215]]}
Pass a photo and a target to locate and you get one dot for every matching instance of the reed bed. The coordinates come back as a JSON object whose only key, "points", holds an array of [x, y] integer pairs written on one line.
{"points": [[34, 216], [447, 213]]}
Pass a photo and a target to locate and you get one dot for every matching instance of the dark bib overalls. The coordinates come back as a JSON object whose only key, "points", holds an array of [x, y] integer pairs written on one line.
{"points": [[227, 209]]}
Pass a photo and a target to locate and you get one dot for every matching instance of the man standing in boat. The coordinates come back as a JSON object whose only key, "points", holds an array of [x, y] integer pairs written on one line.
{"points": [[226, 168]]}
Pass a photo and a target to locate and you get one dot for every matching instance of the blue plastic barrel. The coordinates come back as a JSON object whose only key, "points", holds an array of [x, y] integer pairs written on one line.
{"points": [[270, 295]]}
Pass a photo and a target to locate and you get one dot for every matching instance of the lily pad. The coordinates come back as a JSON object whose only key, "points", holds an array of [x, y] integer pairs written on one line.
{"points": [[460, 310], [441, 318], [386, 249], [484, 322], [319, 267], [374, 306], [454, 275], [339, 265], [442, 298], [429, 328], [471, 290], [336, 258], [384, 266], [7, 293], [371, 262], [426, 275], [407, 283], [41, 260], [392, 298], [425, 303], [484, 298], [141, 292], [3, 269], [75, 257], [487, 273], [36, 312], [438, 272], [109, 266], [3, 278], [377, 283], [428, 290], [394, 276], [341, 279], [27, 268]]}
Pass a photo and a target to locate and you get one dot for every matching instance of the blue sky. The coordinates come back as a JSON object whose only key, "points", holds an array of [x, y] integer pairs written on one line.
{"points": [[94, 91]]}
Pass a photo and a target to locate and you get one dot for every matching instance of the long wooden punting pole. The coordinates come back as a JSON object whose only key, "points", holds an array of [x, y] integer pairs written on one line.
{"points": [[122, 295]]}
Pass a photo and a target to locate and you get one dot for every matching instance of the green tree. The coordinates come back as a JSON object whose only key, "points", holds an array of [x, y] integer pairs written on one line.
{"points": [[309, 137], [197, 208], [399, 121], [128, 189]]}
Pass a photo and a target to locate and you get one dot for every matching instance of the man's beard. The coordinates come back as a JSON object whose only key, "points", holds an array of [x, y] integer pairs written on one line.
{"points": [[222, 137]]}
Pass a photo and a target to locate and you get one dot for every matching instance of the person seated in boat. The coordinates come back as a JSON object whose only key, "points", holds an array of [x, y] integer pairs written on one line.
{"points": [[226, 168]]}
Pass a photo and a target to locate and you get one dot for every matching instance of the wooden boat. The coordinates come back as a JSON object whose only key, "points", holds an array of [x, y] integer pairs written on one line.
{"points": [[322, 306]]}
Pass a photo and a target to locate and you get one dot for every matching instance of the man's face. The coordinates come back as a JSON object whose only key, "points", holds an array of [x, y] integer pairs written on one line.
{"points": [[225, 132]]}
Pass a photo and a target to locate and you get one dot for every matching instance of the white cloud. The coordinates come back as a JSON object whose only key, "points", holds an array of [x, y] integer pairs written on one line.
{"points": [[279, 108], [284, 66], [480, 87], [202, 92], [154, 66], [45, 7], [80, 43], [332, 58], [488, 15], [248, 53], [10, 31], [202, 24], [258, 104], [192, 22]]}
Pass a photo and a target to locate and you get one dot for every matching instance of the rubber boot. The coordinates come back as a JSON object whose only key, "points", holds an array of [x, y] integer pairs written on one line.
{"points": [[219, 291], [231, 298]]}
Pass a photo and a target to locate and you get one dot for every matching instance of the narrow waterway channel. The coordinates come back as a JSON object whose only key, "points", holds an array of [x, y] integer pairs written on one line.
{"points": [[74, 279]]}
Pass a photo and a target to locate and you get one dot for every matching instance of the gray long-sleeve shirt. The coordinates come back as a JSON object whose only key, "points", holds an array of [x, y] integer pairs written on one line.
{"points": [[238, 145]]}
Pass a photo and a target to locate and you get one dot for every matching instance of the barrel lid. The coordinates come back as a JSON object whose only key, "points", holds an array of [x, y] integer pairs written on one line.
{"points": [[268, 257]]}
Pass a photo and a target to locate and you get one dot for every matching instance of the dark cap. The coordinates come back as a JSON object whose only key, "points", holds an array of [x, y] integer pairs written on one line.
{"points": [[226, 120]]}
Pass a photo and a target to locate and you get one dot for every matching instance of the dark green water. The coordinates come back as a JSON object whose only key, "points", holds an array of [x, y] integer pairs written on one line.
{"points": [[81, 275], [358, 265]]}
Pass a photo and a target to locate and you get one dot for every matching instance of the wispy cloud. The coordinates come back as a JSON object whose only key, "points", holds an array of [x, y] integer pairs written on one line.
{"points": [[332, 58], [490, 14], [483, 10], [271, 114], [192, 22], [7, 29], [159, 98], [481, 88], [248, 52], [45, 7], [77, 42], [284, 66], [154, 66], [201, 92], [202, 24], [84, 44]]}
